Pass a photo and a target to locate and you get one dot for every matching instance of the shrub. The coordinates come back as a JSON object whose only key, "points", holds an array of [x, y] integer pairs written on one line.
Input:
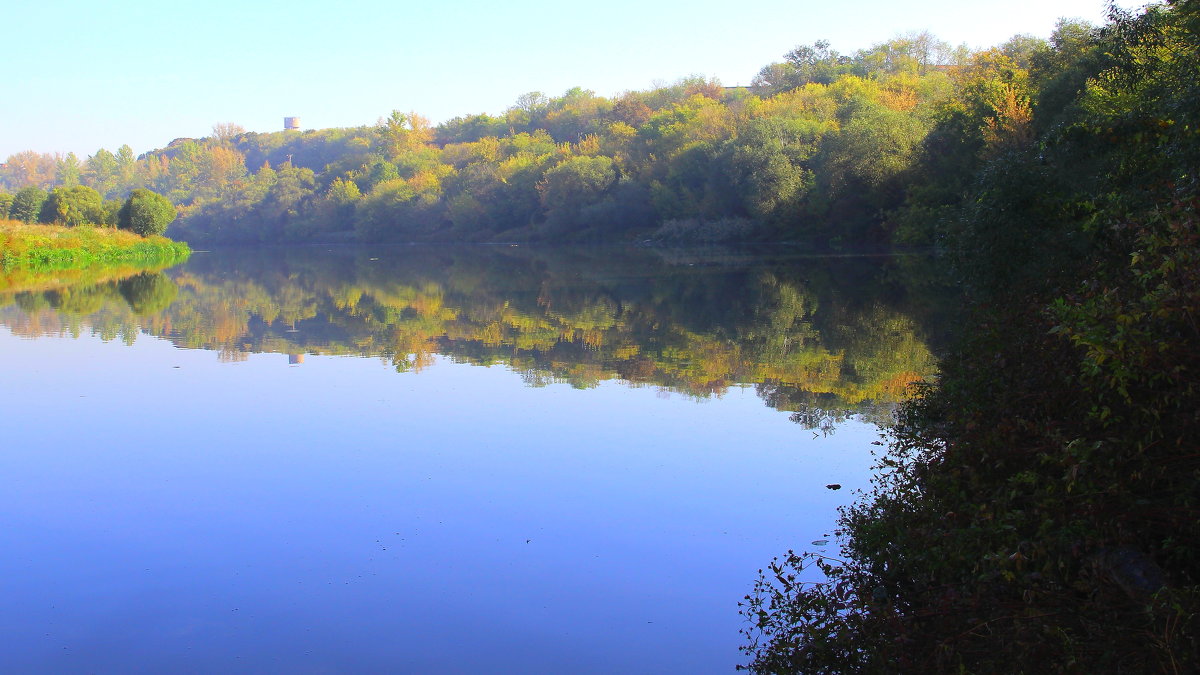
{"points": [[146, 213]]}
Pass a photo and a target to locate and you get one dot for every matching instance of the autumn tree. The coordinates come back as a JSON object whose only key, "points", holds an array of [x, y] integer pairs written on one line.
{"points": [[402, 132], [219, 168], [29, 168], [913, 53], [224, 132], [630, 110]]}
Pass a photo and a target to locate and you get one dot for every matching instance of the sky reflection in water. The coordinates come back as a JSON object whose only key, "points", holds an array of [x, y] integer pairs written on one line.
{"points": [[171, 511]]}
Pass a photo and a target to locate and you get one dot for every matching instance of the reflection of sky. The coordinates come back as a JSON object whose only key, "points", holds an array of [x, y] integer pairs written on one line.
{"points": [[171, 512]]}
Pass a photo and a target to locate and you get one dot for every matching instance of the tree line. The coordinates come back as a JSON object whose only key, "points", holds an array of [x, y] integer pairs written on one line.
{"points": [[143, 211], [866, 147]]}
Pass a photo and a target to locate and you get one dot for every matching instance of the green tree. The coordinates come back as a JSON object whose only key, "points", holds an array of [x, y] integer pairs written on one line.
{"points": [[285, 199], [146, 213], [775, 78], [469, 129], [127, 166], [101, 171], [768, 164], [575, 114], [27, 204], [70, 171], [378, 171], [343, 196], [112, 207], [6, 201], [71, 206], [874, 146], [576, 182]]}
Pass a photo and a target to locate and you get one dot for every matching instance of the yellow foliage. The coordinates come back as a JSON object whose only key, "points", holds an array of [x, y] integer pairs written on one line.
{"points": [[588, 145], [851, 88], [900, 92], [813, 100], [1011, 128], [459, 154], [425, 182], [621, 130]]}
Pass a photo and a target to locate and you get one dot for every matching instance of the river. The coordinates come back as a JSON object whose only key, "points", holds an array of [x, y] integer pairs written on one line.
{"points": [[432, 459]]}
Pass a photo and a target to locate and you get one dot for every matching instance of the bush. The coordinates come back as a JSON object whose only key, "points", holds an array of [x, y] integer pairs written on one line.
{"points": [[146, 213], [71, 206]]}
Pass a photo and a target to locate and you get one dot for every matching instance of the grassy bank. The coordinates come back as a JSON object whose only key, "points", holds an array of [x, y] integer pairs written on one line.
{"points": [[50, 247]]}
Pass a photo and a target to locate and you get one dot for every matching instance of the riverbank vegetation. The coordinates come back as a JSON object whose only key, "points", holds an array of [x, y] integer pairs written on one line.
{"points": [[35, 249], [1037, 510]]}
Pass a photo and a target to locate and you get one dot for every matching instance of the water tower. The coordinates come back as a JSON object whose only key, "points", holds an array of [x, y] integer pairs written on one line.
{"points": [[291, 124]]}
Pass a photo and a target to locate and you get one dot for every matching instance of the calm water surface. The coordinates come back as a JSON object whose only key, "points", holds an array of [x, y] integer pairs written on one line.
{"points": [[430, 459]]}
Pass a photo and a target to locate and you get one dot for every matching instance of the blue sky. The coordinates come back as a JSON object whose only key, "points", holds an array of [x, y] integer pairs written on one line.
{"points": [[81, 76]]}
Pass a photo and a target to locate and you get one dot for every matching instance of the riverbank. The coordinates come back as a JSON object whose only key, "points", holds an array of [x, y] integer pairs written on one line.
{"points": [[1036, 511], [51, 247]]}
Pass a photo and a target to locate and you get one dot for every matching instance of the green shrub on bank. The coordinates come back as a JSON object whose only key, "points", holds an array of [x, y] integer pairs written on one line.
{"points": [[146, 213]]}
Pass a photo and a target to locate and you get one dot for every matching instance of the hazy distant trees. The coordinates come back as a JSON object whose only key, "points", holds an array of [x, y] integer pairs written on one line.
{"points": [[224, 132]]}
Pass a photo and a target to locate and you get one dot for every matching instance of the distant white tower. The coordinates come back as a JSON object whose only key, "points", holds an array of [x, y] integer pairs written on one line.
{"points": [[291, 124]]}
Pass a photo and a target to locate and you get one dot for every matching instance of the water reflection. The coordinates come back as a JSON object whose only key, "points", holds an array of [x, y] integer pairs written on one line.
{"points": [[822, 337], [167, 512]]}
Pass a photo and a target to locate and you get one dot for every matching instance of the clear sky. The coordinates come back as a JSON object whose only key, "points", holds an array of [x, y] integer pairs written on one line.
{"points": [[84, 75]]}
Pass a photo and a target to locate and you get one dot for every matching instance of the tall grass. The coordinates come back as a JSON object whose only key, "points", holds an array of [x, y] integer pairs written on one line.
{"points": [[52, 247]]}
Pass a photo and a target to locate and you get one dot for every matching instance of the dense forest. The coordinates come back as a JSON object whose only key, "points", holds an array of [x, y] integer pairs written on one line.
{"points": [[862, 148], [1037, 510]]}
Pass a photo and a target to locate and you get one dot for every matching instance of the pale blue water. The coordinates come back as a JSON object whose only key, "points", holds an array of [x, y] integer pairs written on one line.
{"points": [[166, 510]]}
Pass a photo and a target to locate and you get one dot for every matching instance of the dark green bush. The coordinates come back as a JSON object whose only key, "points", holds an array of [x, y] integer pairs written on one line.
{"points": [[146, 213]]}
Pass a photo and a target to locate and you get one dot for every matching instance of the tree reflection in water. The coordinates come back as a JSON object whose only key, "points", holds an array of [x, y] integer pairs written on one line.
{"points": [[826, 338]]}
